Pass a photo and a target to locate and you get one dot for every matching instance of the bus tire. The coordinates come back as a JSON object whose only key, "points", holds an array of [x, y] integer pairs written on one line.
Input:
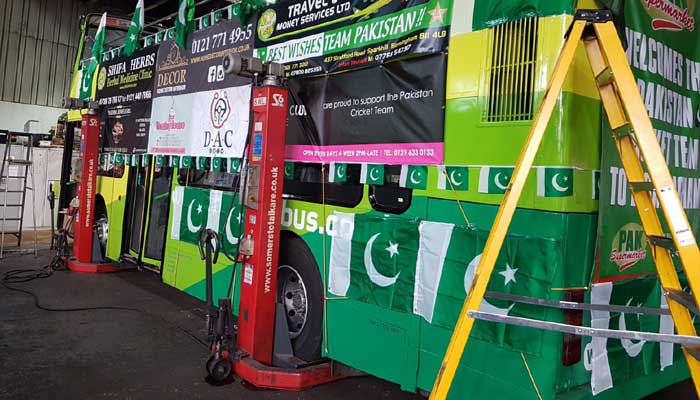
{"points": [[101, 224], [300, 290]]}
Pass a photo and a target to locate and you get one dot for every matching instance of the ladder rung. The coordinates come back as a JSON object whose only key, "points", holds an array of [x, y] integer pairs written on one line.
{"points": [[14, 177], [10, 191], [10, 219], [605, 77], [662, 241], [623, 131], [641, 186], [19, 162], [683, 298], [585, 330], [693, 350], [12, 205]]}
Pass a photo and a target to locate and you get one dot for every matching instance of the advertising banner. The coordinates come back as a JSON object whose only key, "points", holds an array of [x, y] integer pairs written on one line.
{"points": [[390, 115], [316, 37], [388, 104], [663, 51], [124, 90], [198, 110]]}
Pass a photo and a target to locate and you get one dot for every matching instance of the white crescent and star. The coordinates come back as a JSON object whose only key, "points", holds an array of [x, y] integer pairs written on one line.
{"points": [[191, 226], [374, 275], [229, 235], [632, 349], [508, 274], [497, 182], [556, 185], [454, 180], [413, 178], [485, 305], [372, 175], [340, 171]]}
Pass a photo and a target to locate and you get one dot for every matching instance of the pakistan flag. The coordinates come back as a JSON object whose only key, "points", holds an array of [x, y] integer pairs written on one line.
{"points": [[494, 180], [426, 268], [195, 209], [555, 181]]}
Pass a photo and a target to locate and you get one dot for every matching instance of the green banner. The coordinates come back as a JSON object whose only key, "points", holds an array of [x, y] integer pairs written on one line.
{"points": [[664, 54]]}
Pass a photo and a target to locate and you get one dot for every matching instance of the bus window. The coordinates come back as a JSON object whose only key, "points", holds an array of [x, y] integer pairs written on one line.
{"points": [[208, 179], [390, 197], [307, 186]]}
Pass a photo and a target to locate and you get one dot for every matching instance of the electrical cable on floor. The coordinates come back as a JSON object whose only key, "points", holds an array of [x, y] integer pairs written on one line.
{"points": [[17, 276]]}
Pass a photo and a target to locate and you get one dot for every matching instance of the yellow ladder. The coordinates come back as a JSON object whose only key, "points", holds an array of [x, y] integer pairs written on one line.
{"points": [[634, 137]]}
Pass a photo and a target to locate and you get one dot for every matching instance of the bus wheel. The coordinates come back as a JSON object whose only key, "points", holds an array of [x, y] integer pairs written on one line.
{"points": [[300, 289]]}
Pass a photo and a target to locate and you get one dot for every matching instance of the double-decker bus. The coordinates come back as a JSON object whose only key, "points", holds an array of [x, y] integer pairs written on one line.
{"points": [[374, 275]]}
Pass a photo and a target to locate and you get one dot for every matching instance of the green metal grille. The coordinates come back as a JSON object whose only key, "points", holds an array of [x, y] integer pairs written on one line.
{"points": [[511, 74]]}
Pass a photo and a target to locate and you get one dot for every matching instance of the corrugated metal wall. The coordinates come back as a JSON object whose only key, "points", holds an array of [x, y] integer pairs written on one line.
{"points": [[38, 44]]}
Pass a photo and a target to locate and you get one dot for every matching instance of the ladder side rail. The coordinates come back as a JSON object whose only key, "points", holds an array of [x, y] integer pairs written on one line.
{"points": [[505, 213], [648, 145], [622, 101], [24, 190], [4, 174]]}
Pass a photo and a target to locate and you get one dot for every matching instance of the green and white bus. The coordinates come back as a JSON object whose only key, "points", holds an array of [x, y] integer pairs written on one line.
{"points": [[374, 275]]}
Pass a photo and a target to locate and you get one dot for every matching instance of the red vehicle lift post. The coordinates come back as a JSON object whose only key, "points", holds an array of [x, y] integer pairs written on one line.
{"points": [[84, 258], [262, 327]]}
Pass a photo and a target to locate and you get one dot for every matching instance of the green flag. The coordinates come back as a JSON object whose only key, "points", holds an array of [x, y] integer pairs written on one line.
{"points": [[230, 218], [555, 181], [288, 170], [127, 159], [88, 74], [372, 174], [98, 45], [202, 163], [132, 36], [453, 177], [160, 160], [426, 268], [234, 165], [337, 172], [186, 162], [175, 161], [414, 177], [144, 160], [118, 159], [184, 23], [494, 180], [191, 212], [246, 8], [216, 164], [375, 260]]}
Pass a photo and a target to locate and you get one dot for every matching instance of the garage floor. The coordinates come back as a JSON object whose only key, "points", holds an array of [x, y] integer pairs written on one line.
{"points": [[122, 354]]}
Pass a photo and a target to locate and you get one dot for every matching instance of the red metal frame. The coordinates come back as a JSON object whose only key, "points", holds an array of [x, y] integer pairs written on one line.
{"points": [[258, 296], [83, 223]]}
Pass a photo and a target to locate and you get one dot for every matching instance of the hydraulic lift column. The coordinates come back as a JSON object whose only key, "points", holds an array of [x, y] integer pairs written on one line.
{"points": [[263, 335], [85, 258]]}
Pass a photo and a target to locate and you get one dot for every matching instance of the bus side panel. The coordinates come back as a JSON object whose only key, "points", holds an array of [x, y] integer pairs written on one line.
{"points": [[183, 267], [378, 341], [116, 207]]}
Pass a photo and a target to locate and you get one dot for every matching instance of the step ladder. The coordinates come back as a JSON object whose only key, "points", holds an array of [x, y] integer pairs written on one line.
{"points": [[639, 152], [16, 169]]}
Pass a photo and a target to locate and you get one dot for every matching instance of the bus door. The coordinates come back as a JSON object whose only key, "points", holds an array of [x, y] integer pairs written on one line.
{"points": [[134, 214], [153, 247]]}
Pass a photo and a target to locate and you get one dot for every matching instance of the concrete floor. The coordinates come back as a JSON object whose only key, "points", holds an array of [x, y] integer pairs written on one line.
{"points": [[121, 354]]}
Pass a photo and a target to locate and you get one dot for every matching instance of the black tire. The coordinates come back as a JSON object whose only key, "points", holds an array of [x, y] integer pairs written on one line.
{"points": [[100, 214], [295, 254]]}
